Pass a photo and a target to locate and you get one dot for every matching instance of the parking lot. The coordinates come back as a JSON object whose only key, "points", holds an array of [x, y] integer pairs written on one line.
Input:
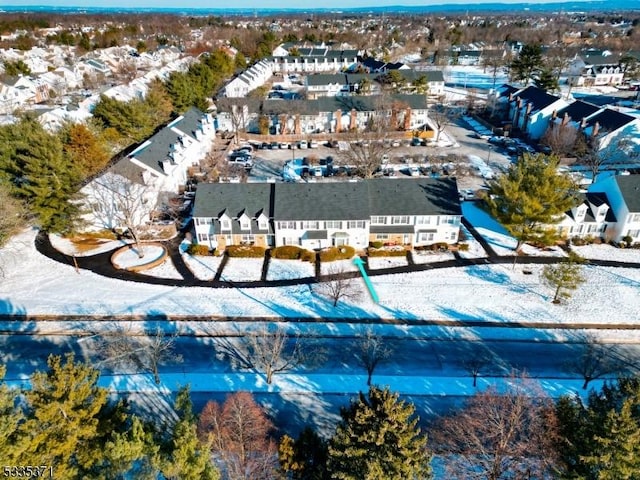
{"points": [[471, 160]]}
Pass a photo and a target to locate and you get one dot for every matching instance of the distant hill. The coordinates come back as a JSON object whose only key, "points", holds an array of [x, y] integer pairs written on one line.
{"points": [[570, 6]]}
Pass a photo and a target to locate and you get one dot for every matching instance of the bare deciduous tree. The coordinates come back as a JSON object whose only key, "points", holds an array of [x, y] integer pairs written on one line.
{"points": [[120, 203], [270, 351], [498, 435], [124, 349], [595, 360], [339, 286], [370, 351], [561, 139], [238, 432]]}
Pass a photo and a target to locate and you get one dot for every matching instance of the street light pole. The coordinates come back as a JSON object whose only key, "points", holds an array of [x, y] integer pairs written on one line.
{"points": [[489, 154]]}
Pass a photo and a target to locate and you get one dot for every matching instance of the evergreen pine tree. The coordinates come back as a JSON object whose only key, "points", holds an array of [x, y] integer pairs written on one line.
{"points": [[185, 457], [527, 64], [11, 439], [529, 198], [617, 452], [62, 425], [546, 80], [304, 458], [563, 276], [378, 439]]}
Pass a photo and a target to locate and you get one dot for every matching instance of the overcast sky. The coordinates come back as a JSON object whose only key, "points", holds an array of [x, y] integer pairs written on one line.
{"points": [[257, 4]]}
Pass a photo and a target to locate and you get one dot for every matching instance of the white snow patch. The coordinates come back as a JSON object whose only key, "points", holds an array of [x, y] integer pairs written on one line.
{"points": [[242, 269], [131, 258], [203, 267], [426, 256], [608, 252], [338, 266], [280, 269], [387, 262], [67, 247]]}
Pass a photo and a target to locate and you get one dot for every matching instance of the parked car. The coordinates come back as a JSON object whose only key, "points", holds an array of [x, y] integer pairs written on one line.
{"points": [[395, 143], [240, 154], [416, 142], [313, 144], [302, 144]]}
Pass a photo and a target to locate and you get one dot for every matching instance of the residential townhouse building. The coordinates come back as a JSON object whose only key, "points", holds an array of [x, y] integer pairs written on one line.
{"points": [[531, 109], [623, 195], [592, 217], [252, 78], [407, 212], [593, 68], [314, 60], [158, 166], [325, 114]]}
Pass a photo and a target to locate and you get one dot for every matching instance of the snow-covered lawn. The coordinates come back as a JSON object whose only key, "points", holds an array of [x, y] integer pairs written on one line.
{"points": [[34, 284], [475, 249], [66, 246], [608, 252], [242, 269], [284, 269], [203, 267], [338, 266], [425, 256], [498, 237], [165, 270], [387, 262], [131, 258]]}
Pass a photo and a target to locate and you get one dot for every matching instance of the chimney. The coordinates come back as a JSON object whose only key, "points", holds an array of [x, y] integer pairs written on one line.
{"points": [[298, 128], [511, 97], [529, 106], [407, 119], [283, 124], [565, 119], [338, 116], [352, 121], [596, 129], [554, 115], [583, 123]]}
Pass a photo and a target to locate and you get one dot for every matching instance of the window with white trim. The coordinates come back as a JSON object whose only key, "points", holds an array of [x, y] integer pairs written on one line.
{"points": [[355, 224], [378, 220], [399, 220], [450, 220], [248, 238], [311, 225], [422, 220], [287, 225], [225, 224], [634, 217], [382, 236], [333, 224], [425, 237], [245, 224], [263, 224]]}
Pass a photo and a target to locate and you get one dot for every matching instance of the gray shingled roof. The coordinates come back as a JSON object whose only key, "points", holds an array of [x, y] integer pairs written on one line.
{"points": [[578, 110], [414, 196], [321, 201], [538, 98], [213, 199], [630, 188]]}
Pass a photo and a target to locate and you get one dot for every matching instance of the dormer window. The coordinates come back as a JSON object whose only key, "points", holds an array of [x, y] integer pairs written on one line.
{"points": [[262, 222], [245, 222], [225, 223]]}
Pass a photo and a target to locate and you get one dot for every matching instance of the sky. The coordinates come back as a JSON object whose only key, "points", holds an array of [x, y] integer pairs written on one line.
{"points": [[257, 4]]}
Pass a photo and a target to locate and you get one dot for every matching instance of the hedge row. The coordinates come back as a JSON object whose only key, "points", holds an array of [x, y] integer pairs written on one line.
{"points": [[245, 251], [332, 254], [372, 252], [199, 249]]}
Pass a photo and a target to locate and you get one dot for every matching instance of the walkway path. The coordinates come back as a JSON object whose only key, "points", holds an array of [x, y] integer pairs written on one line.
{"points": [[101, 264]]}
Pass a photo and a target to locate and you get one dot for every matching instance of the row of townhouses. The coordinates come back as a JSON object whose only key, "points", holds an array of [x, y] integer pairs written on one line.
{"points": [[531, 111], [159, 167], [409, 212], [610, 210], [325, 114]]}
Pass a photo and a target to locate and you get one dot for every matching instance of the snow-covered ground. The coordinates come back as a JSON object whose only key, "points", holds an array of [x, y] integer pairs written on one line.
{"points": [[203, 267], [68, 247], [284, 269], [498, 237], [376, 263], [421, 257], [473, 77], [339, 266], [131, 257], [34, 284], [475, 249], [608, 252], [242, 269]]}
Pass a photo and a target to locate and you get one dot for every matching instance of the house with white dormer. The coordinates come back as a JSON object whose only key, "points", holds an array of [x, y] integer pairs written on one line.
{"points": [[160, 164], [531, 109], [591, 217], [407, 212], [594, 68], [623, 194]]}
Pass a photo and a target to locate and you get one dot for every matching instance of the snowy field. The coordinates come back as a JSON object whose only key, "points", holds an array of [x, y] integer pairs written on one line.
{"points": [[338, 266], [608, 252], [496, 235], [285, 269], [376, 263], [242, 269], [68, 247], [164, 270], [203, 267], [131, 257], [34, 284], [473, 77], [475, 249], [420, 257]]}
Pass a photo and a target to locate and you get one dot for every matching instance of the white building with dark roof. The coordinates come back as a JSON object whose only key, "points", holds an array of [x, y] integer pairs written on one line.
{"points": [[406, 212]]}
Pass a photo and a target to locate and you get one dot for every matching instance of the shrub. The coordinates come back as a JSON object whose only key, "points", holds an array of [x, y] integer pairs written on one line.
{"points": [[463, 247], [199, 249], [337, 253], [245, 251], [308, 256], [287, 252], [376, 244], [440, 247], [628, 240], [386, 253]]}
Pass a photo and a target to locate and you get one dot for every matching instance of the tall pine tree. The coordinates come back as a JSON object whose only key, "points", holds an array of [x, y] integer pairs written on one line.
{"points": [[378, 439], [529, 198]]}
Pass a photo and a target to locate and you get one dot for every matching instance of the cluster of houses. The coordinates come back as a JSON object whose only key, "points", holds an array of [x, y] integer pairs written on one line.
{"points": [[74, 85], [531, 111]]}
